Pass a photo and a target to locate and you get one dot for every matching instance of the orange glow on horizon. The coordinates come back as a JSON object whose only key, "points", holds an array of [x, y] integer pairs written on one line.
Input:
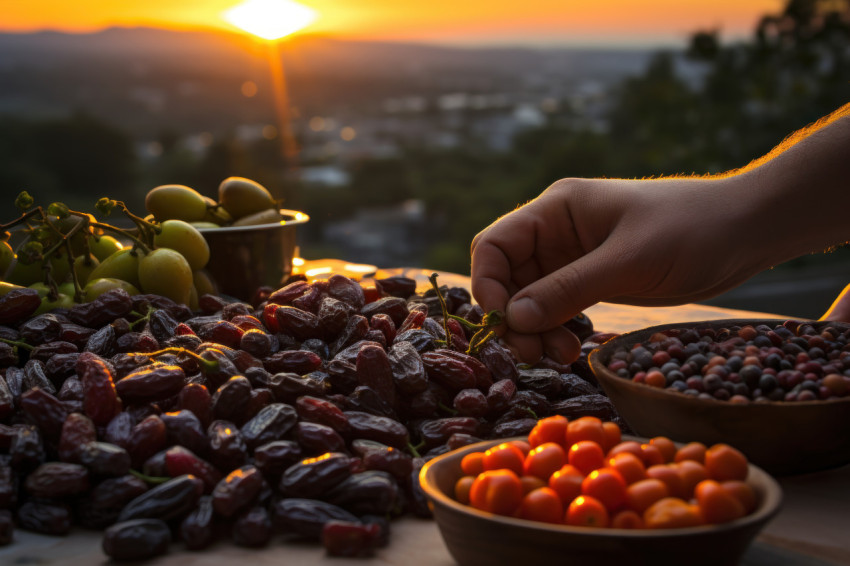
{"points": [[440, 21]]}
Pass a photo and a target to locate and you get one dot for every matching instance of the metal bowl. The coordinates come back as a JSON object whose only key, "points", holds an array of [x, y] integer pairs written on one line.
{"points": [[781, 437], [476, 537], [243, 258]]}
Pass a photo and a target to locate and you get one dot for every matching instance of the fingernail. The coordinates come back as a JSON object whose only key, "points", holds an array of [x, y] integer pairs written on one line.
{"points": [[524, 315]]}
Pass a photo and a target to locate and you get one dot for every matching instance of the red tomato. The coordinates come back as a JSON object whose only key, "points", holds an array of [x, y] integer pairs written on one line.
{"points": [[627, 446], [585, 428], [671, 513], [626, 519], [743, 492], [716, 504], [544, 460], [566, 482], [613, 435], [462, 489], [504, 456], [530, 483], [630, 466], [542, 504], [691, 451], [668, 474], [586, 455], [666, 446], [692, 473], [496, 491], [641, 495], [550, 429], [724, 463], [606, 485], [651, 455], [586, 511], [473, 463]]}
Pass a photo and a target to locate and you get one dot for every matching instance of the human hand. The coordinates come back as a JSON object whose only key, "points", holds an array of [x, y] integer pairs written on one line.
{"points": [[650, 242]]}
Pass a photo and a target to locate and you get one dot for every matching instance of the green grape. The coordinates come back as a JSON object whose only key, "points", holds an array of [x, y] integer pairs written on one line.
{"points": [[83, 267], [59, 268], [97, 287], [25, 273], [123, 264], [166, 272], [62, 301], [7, 254], [241, 197], [78, 240], [178, 202], [215, 214], [193, 298], [269, 216], [203, 283], [184, 238], [104, 246], [6, 287], [40, 287], [67, 288]]}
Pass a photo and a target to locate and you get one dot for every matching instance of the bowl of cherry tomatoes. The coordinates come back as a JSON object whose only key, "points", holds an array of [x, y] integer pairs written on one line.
{"points": [[577, 492], [778, 390]]}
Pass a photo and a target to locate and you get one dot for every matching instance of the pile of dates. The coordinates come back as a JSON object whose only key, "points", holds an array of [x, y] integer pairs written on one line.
{"points": [[304, 415]]}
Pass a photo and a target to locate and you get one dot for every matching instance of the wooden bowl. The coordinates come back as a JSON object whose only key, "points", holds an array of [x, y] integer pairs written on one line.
{"points": [[781, 437], [475, 537]]}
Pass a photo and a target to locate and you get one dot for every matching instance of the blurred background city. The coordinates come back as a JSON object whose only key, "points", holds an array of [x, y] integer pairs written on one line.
{"points": [[408, 127]]}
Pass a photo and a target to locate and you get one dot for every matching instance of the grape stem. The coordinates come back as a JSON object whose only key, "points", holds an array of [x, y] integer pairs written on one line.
{"points": [[154, 480], [483, 332], [18, 344], [206, 365]]}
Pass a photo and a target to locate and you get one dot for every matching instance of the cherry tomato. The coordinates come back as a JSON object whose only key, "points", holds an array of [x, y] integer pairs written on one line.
{"points": [[651, 455], [613, 435], [496, 491], [542, 504], [691, 473], [626, 519], [666, 446], [716, 504], [691, 451], [743, 492], [473, 463], [544, 460], [630, 466], [504, 456], [566, 482], [550, 429], [462, 489], [586, 455], [671, 513], [585, 428], [641, 495], [671, 478], [630, 446], [724, 462], [530, 483], [606, 485], [523, 446], [585, 511]]}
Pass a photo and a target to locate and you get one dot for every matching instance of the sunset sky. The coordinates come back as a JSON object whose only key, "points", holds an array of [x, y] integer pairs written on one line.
{"points": [[467, 22]]}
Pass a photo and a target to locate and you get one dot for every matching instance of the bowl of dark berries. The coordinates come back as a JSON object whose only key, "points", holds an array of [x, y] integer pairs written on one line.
{"points": [[778, 390]]}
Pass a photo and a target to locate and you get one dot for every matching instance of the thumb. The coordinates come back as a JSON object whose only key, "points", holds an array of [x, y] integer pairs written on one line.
{"points": [[557, 297]]}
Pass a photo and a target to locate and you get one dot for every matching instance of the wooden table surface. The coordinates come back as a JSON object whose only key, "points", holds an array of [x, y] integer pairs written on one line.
{"points": [[812, 529]]}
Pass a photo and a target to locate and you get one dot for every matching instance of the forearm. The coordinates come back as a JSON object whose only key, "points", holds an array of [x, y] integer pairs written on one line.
{"points": [[796, 199]]}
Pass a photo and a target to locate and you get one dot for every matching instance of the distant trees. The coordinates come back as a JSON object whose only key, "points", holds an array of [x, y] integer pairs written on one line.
{"points": [[65, 159]]}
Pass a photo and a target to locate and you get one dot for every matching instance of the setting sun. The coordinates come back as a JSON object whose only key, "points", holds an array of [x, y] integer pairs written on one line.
{"points": [[270, 19]]}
